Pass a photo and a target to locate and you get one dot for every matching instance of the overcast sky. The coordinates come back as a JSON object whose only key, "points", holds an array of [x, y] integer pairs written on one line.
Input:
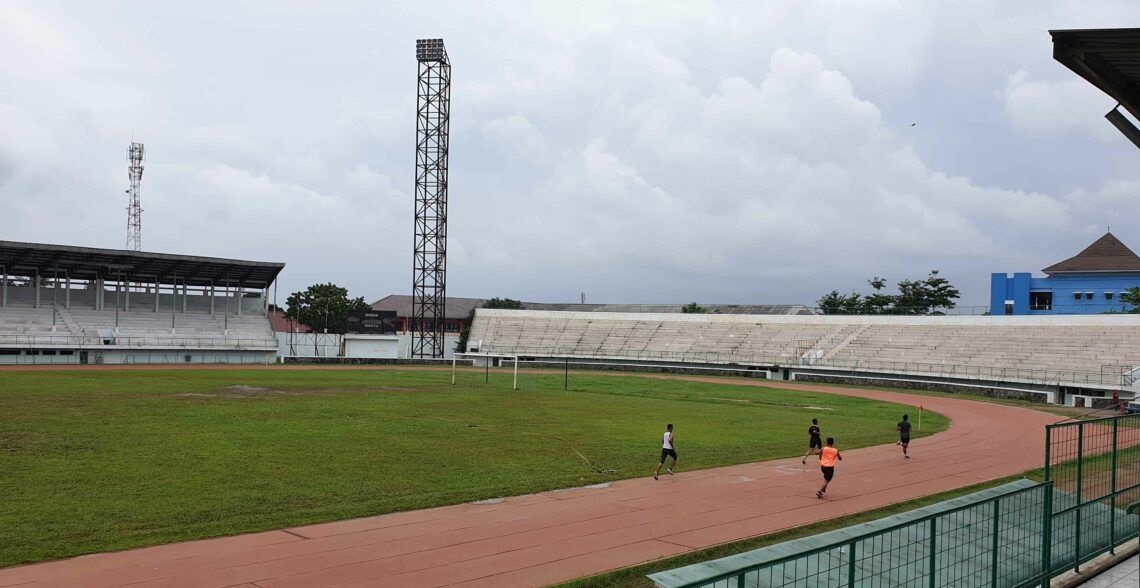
{"points": [[658, 152]]}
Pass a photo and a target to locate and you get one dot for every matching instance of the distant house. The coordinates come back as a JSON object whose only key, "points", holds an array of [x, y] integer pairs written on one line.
{"points": [[456, 311], [1088, 283], [282, 324]]}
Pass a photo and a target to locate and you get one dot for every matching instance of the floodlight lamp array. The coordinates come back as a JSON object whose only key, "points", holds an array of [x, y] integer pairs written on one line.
{"points": [[430, 50]]}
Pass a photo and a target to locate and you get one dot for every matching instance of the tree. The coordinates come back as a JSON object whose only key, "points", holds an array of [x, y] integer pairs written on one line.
{"points": [[926, 296], [835, 303], [506, 303], [918, 297], [693, 308], [1131, 296], [323, 307], [877, 302]]}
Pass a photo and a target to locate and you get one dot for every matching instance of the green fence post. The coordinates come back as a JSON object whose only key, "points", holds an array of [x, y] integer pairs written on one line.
{"points": [[1048, 447], [740, 581], [1080, 501], [1047, 536], [933, 566], [1112, 518], [997, 544], [851, 565]]}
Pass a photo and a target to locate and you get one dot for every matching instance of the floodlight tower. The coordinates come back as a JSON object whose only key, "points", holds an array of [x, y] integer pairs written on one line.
{"points": [[135, 156], [429, 260]]}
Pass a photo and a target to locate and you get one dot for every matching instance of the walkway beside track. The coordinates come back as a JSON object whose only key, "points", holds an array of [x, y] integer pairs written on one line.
{"points": [[541, 539]]}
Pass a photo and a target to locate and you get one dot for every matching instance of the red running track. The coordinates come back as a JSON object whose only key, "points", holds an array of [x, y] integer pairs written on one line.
{"points": [[541, 539]]}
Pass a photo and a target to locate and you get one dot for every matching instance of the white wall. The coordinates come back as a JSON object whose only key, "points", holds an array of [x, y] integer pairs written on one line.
{"points": [[377, 346]]}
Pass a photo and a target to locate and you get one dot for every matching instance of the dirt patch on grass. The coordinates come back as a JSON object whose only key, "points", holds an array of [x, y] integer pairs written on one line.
{"points": [[247, 391]]}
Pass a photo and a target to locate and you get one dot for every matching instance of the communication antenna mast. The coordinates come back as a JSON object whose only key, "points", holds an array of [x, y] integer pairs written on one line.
{"points": [[429, 260], [135, 156]]}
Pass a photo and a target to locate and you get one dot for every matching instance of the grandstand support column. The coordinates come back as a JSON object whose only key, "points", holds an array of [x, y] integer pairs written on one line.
{"points": [[118, 291], [4, 289], [184, 297], [211, 298], [240, 294], [66, 290], [226, 314], [173, 303], [37, 288], [126, 304], [157, 294]]}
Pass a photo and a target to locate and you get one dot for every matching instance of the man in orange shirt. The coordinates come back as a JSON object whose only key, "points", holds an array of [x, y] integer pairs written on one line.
{"points": [[827, 458]]}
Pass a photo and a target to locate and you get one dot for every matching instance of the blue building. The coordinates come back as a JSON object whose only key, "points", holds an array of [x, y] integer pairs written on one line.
{"points": [[1089, 283]]}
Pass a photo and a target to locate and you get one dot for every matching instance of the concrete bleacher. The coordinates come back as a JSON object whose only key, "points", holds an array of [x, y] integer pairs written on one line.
{"points": [[1048, 350], [78, 324]]}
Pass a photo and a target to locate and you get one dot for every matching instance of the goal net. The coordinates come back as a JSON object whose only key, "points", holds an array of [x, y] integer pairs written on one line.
{"points": [[488, 361]]}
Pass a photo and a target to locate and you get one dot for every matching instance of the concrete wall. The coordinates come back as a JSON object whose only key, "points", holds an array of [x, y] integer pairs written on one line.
{"points": [[372, 346]]}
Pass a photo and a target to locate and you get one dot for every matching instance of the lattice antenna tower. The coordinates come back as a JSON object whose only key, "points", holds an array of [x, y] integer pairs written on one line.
{"points": [[429, 260], [136, 153]]}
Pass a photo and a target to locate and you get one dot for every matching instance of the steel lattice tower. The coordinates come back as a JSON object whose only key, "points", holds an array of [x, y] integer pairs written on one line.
{"points": [[429, 263], [135, 155]]}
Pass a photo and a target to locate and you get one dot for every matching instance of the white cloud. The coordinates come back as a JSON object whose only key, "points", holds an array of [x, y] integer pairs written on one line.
{"points": [[642, 151], [1052, 107]]}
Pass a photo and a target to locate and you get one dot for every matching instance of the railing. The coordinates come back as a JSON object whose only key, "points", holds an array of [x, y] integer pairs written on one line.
{"points": [[1093, 463], [94, 341], [1107, 376], [1002, 541]]}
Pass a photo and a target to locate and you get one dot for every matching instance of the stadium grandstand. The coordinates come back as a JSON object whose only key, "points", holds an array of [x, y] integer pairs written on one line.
{"points": [[1073, 360], [458, 310], [78, 305]]}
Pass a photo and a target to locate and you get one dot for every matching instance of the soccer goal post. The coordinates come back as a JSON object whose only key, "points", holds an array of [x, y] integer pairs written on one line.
{"points": [[486, 361]]}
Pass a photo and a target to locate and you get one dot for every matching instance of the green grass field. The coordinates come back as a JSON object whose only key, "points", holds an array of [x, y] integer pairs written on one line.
{"points": [[110, 459]]}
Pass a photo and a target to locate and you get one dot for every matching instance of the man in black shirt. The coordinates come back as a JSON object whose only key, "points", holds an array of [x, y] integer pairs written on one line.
{"points": [[815, 443], [904, 434]]}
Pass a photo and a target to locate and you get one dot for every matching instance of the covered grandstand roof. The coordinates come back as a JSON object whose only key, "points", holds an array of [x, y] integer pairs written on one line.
{"points": [[90, 263], [1108, 58], [1105, 255]]}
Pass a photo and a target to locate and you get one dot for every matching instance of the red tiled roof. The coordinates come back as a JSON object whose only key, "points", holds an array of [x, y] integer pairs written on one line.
{"points": [[1107, 254]]}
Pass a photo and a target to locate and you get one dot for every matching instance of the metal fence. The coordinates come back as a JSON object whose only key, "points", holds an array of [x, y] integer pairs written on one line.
{"points": [[95, 341], [1093, 463], [990, 543], [1108, 375]]}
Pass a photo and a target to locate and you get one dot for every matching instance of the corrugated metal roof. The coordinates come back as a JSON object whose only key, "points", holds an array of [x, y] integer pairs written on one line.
{"points": [[1108, 58], [91, 263]]}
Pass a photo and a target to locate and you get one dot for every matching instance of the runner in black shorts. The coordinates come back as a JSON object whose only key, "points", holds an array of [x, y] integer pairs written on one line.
{"points": [[815, 443], [828, 456], [904, 434], [667, 450]]}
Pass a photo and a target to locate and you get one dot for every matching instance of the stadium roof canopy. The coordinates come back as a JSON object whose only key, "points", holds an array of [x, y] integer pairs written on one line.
{"points": [[87, 263], [1108, 58]]}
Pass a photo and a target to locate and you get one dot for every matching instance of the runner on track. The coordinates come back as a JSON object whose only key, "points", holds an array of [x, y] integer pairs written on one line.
{"points": [[904, 434], [815, 442], [827, 458], [667, 451]]}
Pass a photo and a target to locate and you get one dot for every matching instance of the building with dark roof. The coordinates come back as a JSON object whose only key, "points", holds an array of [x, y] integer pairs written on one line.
{"points": [[1090, 282]]}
